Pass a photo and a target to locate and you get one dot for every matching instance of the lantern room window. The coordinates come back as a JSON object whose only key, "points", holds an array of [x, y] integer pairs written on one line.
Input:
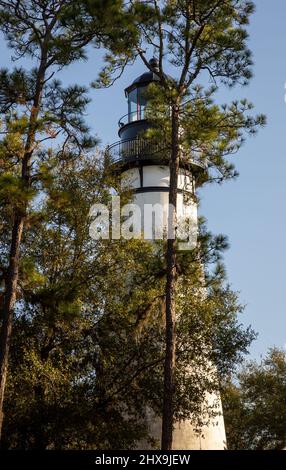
{"points": [[136, 104]]}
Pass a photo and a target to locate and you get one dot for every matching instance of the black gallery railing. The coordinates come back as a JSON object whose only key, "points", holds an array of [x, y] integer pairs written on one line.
{"points": [[133, 149], [143, 149]]}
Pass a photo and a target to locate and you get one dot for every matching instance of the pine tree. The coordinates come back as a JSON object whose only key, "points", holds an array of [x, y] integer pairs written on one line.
{"points": [[192, 38], [37, 109]]}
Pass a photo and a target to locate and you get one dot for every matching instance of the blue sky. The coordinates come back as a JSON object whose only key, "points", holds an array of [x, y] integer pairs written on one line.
{"points": [[250, 210]]}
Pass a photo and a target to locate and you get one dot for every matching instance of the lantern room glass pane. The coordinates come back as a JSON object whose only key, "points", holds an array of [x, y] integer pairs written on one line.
{"points": [[141, 102], [136, 104], [132, 105]]}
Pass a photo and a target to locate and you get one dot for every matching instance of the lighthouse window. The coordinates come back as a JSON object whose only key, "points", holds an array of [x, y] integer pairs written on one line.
{"points": [[132, 105], [141, 95], [136, 104]]}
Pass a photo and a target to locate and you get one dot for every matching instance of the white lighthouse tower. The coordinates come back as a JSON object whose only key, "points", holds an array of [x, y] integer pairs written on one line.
{"points": [[144, 166]]}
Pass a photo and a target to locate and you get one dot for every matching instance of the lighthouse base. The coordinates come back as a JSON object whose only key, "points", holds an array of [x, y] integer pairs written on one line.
{"points": [[210, 436]]}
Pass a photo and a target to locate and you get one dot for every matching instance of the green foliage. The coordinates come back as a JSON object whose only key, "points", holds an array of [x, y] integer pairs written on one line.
{"points": [[42, 123], [210, 133], [254, 405], [73, 338], [86, 357], [13, 191], [63, 27], [199, 35]]}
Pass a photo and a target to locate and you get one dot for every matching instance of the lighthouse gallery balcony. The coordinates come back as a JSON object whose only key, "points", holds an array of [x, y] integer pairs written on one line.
{"points": [[137, 150]]}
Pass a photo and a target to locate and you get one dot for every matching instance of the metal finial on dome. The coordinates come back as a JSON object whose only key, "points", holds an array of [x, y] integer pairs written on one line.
{"points": [[153, 62]]}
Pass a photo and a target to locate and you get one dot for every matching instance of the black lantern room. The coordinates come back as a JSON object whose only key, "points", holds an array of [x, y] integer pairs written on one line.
{"points": [[134, 122]]}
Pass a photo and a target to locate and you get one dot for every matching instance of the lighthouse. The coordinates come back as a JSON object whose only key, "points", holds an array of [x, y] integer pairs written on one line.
{"points": [[143, 165]]}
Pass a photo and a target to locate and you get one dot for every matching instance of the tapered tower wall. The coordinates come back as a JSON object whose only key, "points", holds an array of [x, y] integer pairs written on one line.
{"points": [[151, 186]]}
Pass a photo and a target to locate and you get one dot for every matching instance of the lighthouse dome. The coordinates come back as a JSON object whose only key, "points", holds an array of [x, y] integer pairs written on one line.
{"points": [[143, 80]]}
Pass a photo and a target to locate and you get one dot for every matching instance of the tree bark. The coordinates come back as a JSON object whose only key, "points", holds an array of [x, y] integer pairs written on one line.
{"points": [[170, 338], [17, 231]]}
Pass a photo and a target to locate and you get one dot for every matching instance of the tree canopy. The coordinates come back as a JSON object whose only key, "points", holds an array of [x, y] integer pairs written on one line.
{"points": [[254, 404]]}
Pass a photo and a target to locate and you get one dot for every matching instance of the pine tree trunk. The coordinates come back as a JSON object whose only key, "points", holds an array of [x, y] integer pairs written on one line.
{"points": [[17, 231], [9, 302], [170, 352]]}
